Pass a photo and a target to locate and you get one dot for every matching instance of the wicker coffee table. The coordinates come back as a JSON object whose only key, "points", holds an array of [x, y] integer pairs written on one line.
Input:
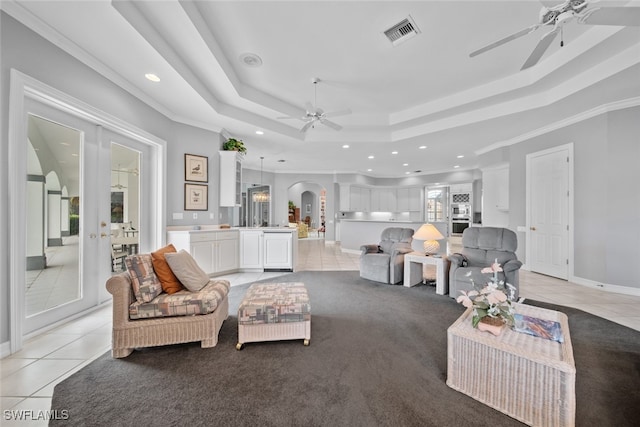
{"points": [[528, 378]]}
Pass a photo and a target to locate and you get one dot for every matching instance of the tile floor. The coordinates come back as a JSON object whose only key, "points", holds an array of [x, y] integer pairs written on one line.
{"points": [[28, 376]]}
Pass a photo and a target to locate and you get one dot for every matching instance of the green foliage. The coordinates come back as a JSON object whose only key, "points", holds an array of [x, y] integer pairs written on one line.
{"points": [[233, 144]]}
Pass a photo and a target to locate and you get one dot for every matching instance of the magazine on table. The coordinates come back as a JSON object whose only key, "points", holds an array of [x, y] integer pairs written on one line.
{"points": [[548, 329]]}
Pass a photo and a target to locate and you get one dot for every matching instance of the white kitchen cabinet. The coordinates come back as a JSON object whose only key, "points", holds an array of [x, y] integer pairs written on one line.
{"points": [[359, 199], [230, 178], [278, 250], [251, 249], [262, 249], [408, 199], [215, 252]]}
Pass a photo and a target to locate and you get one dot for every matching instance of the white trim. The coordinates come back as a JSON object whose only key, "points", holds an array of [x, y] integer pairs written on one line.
{"points": [[23, 86], [577, 118], [605, 287]]}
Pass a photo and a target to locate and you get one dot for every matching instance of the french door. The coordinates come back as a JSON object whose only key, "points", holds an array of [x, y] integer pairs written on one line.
{"points": [[64, 231], [548, 212], [60, 207]]}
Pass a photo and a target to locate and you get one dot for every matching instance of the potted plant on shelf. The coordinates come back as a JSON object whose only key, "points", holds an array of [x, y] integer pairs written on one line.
{"points": [[233, 144]]}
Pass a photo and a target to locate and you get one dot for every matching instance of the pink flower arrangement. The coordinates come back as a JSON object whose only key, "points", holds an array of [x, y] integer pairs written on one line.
{"points": [[491, 300]]}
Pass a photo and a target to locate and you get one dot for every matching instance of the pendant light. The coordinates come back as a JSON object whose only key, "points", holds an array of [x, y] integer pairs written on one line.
{"points": [[261, 196]]}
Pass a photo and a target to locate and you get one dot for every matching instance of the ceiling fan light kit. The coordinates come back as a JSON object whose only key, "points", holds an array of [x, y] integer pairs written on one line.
{"points": [[561, 14], [314, 114]]}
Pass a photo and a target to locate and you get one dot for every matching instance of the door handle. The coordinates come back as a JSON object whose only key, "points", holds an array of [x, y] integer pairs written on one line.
{"points": [[103, 235], [92, 236], [532, 228], [103, 224]]}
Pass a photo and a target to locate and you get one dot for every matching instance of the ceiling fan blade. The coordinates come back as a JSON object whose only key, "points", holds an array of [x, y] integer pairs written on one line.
{"points": [[307, 126], [621, 16], [330, 124], [338, 113], [541, 48], [504, 40]]}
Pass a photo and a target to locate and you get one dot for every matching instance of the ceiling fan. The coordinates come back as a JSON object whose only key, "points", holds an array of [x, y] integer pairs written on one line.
{"points": [[118, 171], [315, 115], [560, 14]]}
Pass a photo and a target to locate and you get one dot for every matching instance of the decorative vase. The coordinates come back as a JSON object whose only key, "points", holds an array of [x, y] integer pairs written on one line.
{"points": [[492, 325]]}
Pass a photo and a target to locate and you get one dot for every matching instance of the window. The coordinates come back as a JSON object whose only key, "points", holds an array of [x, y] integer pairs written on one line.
{"points": [[436, 201]]}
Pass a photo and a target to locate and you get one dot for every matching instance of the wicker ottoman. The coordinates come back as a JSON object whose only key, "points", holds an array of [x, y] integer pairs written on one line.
{"points": [[528, 378], [274, 312]]}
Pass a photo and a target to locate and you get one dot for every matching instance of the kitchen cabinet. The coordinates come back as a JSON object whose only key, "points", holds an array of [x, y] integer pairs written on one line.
{"points": [[278, 250], [230, 178], [215, 252], [408, 199], [359, 199], [251, 249], [383, 199]]}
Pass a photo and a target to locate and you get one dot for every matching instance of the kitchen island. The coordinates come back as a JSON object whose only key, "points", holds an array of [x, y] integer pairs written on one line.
{"points": [[355, 233], [227, 250]]}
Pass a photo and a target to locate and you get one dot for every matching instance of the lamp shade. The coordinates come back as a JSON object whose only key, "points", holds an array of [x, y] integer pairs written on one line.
{"points": [[430, 234]]}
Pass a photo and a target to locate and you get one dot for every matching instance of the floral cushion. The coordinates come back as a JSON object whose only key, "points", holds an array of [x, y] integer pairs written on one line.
{"points": [[274, 303], [145, 283], [182, 303]]}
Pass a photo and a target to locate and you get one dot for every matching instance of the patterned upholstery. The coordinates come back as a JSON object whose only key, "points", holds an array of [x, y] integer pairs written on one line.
{"points": [[274, 303], [145, 284], [182, 303]]}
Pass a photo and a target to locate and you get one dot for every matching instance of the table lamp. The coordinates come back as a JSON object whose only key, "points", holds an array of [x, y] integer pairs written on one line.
{"points": [[430, 234]]}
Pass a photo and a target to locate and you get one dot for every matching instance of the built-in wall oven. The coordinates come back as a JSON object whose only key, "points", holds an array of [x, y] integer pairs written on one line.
{"points": [[458, 225]]}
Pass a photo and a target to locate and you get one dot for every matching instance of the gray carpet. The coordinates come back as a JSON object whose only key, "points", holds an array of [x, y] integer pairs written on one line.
{"points": [[378, 357]]}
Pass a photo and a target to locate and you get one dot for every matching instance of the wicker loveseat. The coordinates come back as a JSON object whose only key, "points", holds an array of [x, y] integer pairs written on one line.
{"points": [[143, 317]]}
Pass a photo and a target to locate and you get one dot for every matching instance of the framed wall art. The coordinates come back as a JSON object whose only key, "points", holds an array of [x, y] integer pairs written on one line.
{"points": [[196, 168], [196, 197]]}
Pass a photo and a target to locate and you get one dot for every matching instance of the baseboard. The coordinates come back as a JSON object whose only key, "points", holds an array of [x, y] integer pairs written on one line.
{"points": [[5, 349], [350, 251], [626, 290]]}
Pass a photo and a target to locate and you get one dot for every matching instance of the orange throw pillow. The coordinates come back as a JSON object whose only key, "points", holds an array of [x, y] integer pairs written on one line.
{"points": [[168, 280]]}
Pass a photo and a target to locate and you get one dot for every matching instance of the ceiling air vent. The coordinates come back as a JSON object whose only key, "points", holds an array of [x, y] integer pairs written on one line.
{"points": [[402, 31]]}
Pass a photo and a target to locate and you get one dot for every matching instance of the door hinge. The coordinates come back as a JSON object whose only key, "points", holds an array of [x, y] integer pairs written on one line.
{"points": [[567, 261]]}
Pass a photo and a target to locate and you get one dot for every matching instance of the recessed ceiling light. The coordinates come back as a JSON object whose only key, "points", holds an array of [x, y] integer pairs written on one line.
{"points": [[456, 166], [152, 77], [369, 170], [394, 152], [460, 156], [259, 132], [422, 147], [251, 60], [371, 157], [407, 173], [345, 146], [405, 164]]}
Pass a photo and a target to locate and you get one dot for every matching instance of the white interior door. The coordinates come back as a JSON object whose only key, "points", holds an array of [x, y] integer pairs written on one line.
{"points": [[548, 176]]}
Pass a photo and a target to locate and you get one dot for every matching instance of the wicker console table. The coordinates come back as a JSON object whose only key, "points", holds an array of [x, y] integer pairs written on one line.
{"points": [[528, 378]]}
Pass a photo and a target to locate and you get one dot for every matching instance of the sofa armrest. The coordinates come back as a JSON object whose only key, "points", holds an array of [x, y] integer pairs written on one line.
{"points": [[512, 265], [401, 251], [119, 286], [369, 249], [456, 260]]}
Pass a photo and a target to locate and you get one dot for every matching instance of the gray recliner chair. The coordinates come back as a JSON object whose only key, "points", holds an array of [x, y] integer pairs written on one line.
{"points": [[481, 247], [384, 262]]}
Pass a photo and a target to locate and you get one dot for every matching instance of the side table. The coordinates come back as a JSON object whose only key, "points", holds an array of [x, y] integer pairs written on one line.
{"points": [[413, 266]]}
